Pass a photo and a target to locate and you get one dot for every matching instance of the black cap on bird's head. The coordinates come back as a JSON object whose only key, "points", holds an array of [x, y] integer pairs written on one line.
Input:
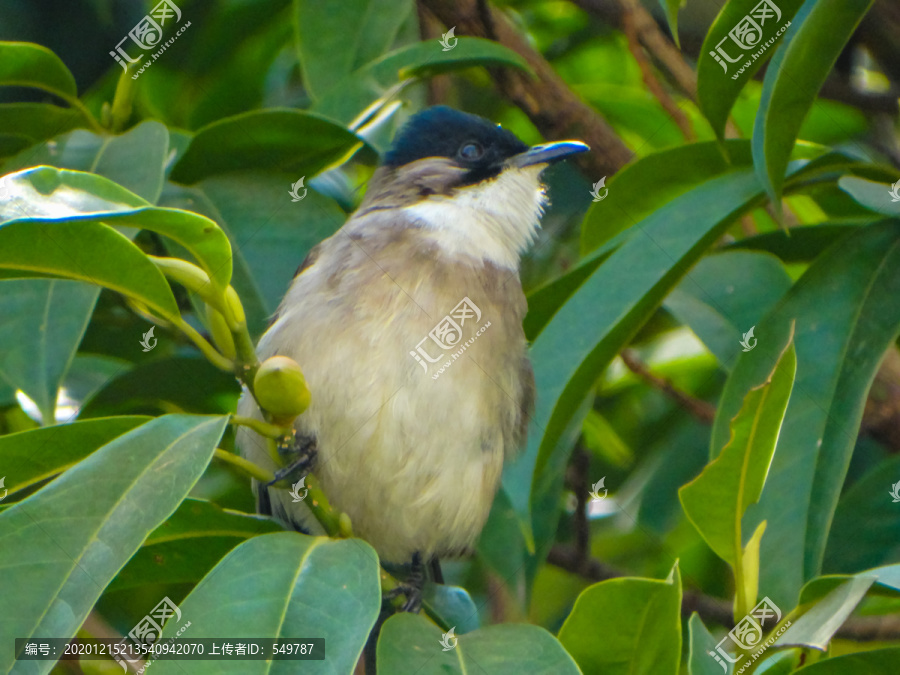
{"points": [[470, 141]]}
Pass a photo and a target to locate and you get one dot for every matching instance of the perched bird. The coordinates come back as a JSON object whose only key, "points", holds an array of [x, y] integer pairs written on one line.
{"points": [[424, 276]]}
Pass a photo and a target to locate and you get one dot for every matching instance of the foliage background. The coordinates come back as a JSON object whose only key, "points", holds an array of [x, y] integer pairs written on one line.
{"points": [[637, 307]]}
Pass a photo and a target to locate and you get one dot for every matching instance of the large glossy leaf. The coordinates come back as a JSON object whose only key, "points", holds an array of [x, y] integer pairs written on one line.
{"points": [[418, 60], [875, 662], [38, 121], [597, 321], [411, 644], [846, 315], [817, 626], [189, 544], [647, 185], [45, 195], [718, 89], [866, 527], [811, 46], [59, 548], [270, 235], [878, 197], [640, 621], [188, 384], [109, 156], [43, 322], [29, 457], [29, 65], [285, 585], [289, 140], [335, 40], [801, 244], [725, 295], [715, 501]]}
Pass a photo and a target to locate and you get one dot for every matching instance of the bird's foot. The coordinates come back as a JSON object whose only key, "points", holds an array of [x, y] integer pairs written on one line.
{"points": [[301, 452], [412, 588]]}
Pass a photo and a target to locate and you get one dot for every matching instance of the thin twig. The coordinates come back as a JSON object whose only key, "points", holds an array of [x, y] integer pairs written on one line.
{"points": [[630, 19], [703, 411]]}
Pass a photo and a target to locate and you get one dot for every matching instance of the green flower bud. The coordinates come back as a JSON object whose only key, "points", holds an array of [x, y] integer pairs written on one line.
{"points": [[281, 388]]}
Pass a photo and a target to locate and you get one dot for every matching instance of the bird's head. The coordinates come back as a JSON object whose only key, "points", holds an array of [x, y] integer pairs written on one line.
{"points": [[472, 186]]}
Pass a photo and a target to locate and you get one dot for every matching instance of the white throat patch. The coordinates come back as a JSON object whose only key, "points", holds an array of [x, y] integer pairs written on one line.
{"points": [[495, 221]]}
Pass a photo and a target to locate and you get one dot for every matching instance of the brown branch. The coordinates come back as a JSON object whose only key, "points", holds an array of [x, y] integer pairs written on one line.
{"points": [[703, 411], [549, 103], [651, 38], [714, 610], [631, 10]]}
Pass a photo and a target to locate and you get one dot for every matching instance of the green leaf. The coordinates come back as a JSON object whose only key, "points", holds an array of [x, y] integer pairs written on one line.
{"points": [[671, 8], [718, 89], [811, 47], [44, 321], [642, 188], [725, 295], [817, 626], [801, 244], [469, 52], [640, 621], [335, 40], [289, 140], [411, 644], [38, 121], [112, 157], [29, 65], [865, 520], [875, 662], [701, 644], [30, 457], [189, 544], [715, 501], [598, 320], [57, 197], [843, 330], [419, 60], [312, 587], [58, 549], [188, 384], [878, 197], [266, 257]]}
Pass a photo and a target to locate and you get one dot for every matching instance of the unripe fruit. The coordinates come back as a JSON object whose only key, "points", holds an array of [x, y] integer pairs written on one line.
{"points": [[280, 388]]}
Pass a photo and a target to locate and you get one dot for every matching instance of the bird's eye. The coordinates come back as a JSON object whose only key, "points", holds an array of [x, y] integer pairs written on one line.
{"points": [[471, 151]]}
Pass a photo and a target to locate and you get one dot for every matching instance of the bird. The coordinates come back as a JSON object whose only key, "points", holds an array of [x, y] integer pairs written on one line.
{"points": [[425, 274]]}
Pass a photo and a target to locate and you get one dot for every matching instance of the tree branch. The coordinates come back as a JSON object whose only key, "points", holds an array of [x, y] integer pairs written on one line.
{"points": [[703, 411], [553, 108]]}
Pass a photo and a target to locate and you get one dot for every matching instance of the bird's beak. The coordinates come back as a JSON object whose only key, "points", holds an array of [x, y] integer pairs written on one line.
{"points": [[547, 153]]}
